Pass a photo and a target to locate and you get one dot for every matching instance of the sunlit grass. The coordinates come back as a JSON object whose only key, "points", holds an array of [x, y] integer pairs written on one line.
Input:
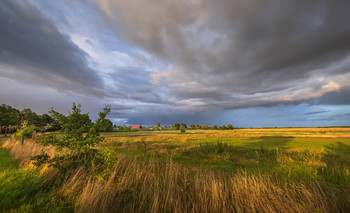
{"points": [[24, 190], [201, 171]]}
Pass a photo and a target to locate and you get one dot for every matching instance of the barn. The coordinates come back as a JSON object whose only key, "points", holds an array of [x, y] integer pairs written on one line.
{"points": [[136, 127]]}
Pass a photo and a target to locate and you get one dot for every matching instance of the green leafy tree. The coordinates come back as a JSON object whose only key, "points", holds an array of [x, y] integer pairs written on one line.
{"points": [[230, 126], [103, 124], [26, 131], [9, 116], [78, 138], [192, 126], [45, 120], [183, 128], [176, 126], [31, 117], [215, 127], [223, 127]]}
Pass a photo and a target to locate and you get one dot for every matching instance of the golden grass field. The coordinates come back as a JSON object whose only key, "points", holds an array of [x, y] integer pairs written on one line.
{"points": [[242, 170]]}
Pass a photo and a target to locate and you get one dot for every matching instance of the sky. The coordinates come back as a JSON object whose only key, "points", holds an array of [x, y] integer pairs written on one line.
{"points": [[258, 63]]}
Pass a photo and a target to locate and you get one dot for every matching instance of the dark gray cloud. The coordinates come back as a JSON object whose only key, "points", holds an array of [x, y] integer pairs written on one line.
{"points": [[256, 52], [194, 61], [341, 97], [316, 112], [33, 50]]}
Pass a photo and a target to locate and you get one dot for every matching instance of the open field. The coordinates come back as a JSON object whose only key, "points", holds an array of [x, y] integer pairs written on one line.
{"points": [[259, 150], [243, 170]]}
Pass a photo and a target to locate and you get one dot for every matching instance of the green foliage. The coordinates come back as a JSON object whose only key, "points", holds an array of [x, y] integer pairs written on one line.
{"points": [[182, 129], [31, 117], [230, 126], [103, 124], [223, 127], [176, 126], [26, 131], [8, 116], [25, 190], [109, 157], [78, 138]]}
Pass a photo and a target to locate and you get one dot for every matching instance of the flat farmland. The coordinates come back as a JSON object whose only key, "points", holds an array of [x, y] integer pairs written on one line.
{"points": [[240, 170]]}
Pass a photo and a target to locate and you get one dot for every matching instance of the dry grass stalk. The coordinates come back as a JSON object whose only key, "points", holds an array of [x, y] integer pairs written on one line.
{"points": [[24, 152], [166, 187]]}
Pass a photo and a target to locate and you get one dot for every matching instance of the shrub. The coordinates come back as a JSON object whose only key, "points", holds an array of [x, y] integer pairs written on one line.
{"points": [[183, 129], [26, 131], [78, 138]]}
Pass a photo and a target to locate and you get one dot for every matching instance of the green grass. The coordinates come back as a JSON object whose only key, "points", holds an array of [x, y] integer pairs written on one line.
{"points": [[6, 162], [23, 190], [286, 156], [298, 159]]}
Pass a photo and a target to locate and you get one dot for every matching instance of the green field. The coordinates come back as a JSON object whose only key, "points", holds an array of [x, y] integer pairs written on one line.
{"points": [[304, 155], [291, 169]]}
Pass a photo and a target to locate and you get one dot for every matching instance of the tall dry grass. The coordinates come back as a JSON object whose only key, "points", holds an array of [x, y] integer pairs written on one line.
{"points": [[23, 152], [167, 187], [163, 186]]}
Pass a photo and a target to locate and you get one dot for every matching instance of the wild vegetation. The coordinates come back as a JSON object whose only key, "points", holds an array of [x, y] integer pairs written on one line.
{"points": [[201, 171], [180, 170]]}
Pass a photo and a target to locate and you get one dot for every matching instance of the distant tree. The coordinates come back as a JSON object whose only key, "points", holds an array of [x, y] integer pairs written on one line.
{"points": [[230, 126], [205, 127], [192, 126], [182, 124], [183, 128], [103, 124], [223, 127], [8, 116], [159, 127], [215, 127], [176, 126], [45, 119], [31, 117]]}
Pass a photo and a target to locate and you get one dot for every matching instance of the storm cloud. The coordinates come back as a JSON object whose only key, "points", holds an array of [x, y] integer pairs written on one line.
{"points": [[249, 63], [33, 50], [241, 53]]}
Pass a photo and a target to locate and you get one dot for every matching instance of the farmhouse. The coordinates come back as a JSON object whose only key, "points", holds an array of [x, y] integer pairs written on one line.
{"points": [[136, 127]]}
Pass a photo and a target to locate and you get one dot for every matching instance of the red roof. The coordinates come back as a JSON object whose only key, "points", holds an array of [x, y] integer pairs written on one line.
{"points": [[136, 127]]}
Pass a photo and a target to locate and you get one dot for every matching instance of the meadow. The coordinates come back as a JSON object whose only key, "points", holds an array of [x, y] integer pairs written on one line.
{"points": [[241, 170]]}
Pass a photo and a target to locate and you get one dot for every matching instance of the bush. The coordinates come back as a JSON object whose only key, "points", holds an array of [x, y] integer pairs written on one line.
{"points": [[78, 138], [183, 130]]}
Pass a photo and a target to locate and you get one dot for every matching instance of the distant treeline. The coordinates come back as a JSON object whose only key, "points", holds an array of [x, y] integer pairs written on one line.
{"points": [[12, 118], [176, 126]]}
